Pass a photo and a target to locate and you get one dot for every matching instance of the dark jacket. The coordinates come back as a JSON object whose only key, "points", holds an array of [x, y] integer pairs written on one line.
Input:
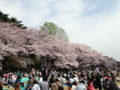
{"points": [[113, 86]]}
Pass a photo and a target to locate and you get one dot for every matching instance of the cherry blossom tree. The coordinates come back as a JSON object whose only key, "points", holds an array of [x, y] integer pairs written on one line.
{"points": [[48, 50]]}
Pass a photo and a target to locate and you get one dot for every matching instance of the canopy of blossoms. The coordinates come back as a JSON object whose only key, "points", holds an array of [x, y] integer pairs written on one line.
{"points": [[24, 42]]}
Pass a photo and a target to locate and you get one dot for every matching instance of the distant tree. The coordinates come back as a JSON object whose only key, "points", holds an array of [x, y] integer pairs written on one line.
{"points": [[52, 29], [13, 20]]}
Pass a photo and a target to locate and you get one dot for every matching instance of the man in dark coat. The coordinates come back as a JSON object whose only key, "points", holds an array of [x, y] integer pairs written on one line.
{"points": [[98, 78], [45, 73]]}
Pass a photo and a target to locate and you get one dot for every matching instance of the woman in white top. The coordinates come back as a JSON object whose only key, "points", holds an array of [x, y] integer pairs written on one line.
{"points": [[35, 86]]}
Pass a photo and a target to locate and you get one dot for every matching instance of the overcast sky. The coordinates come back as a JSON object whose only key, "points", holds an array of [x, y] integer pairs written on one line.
{"points": [[92, 22]]}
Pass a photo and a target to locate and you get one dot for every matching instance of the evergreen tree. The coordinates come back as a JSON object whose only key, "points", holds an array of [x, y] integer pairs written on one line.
{"points": [[5, 18]]}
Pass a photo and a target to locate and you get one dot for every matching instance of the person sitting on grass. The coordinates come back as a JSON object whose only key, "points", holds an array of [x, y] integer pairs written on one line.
{"points": [[17, 86], [106, 84], [1, 87], [18, 81], [10, 81], [30, 84], [113, 85], [54, 85], [40, 79], [60, 88], [69, 84], [81, 86], [90, 84]]}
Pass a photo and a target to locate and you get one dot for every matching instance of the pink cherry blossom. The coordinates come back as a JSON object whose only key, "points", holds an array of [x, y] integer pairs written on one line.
{"points": [[23, 42]]}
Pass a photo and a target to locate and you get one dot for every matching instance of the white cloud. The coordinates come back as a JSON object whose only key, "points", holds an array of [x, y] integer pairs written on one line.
{"points": [[32, 13], [93, 6], [100, 31], [72, 7]]}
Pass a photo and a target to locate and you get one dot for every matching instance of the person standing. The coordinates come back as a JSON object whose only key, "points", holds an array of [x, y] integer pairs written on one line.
{"points": [[44, 84], [98, 78], [45, 73]]}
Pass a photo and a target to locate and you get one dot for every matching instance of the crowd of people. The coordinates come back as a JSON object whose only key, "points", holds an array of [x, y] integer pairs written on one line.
{"points": [[66, 79]]}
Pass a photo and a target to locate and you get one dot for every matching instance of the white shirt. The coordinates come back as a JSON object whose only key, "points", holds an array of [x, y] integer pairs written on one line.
{"points": [[71, 80], [3, 80], [80, 87], [40, 80], [35, 87], [63, 80], [98, 71], [76, 79], [74, 87]]}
